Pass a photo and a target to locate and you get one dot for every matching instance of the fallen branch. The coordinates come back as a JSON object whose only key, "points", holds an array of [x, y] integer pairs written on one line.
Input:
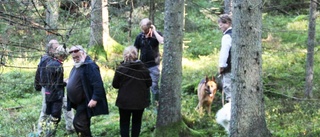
{"points": [[13, 108], [290, 97]]}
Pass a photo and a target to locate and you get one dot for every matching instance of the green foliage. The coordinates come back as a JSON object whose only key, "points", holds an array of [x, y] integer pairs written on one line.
{"points": [[17, 84], [284, 55], [299, 117]]}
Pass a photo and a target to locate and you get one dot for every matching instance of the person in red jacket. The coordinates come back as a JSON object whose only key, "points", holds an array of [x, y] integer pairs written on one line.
{"points": [[133, 80]]}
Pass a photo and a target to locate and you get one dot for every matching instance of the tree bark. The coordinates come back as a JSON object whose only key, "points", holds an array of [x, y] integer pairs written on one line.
{"points": [[310, 49], [96, 28], [248, 113], [105, 21], [152, 10], [227, 6], [52, 17], [169, 111]]}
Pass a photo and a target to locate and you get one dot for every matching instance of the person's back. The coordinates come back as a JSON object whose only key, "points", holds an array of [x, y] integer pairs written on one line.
{"points": [[55, 84], [133, 77], [40, 78], [133, 80]]}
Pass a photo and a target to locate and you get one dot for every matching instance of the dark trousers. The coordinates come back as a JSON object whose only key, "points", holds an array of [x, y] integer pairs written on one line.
{"points": [[54, 108], [125, 115], [81, 121]]}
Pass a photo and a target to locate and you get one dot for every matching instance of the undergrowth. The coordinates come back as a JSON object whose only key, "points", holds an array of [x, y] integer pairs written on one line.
{"points": [[288, 114]]}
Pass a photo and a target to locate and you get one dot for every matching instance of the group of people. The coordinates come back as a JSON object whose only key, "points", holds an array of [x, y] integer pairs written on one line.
{"points": [[137, 74], [85, 91], [85, 94]]}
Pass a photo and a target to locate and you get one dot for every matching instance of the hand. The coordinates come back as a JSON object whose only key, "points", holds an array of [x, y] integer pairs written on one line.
{"points": [[66, 80], [92, 103], [153, 28], [221, 70]]}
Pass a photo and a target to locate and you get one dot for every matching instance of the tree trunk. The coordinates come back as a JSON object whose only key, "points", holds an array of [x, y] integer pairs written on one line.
{"points": [[248, 114], [130, 20], [52, 16], [105, 20], [227, 6], [311, 44], [169, 112], [96, 28], [152, 10]]}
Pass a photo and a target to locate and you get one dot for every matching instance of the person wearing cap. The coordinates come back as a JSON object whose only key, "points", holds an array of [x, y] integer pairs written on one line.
{"points": [[54, 90], [85, 91], [39, 84]]}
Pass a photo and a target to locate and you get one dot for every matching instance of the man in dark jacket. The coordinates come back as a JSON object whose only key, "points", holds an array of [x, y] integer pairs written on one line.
{"points": [[85, 91]]}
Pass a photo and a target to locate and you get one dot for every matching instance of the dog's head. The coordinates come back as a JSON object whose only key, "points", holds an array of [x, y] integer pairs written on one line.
{"points": [[211, 86]]}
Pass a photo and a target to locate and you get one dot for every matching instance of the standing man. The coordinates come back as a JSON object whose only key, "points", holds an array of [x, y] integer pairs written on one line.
{"points": [[85, 91], [40, 82], [147, 43], [225, 25]]}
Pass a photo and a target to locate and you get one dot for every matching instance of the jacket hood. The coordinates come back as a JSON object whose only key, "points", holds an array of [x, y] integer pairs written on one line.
{"points": [[133, 65]]}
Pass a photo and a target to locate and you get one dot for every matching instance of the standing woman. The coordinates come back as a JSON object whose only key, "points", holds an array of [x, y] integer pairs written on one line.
{"points": [[225, 25], [133, 80], [54, 90]]}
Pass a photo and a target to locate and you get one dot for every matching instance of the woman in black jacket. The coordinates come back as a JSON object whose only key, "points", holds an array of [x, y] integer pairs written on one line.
{"points": [[54, 90], [133, 80]]}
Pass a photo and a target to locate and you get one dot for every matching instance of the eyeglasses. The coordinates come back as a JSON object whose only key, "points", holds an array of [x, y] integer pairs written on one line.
{"points": [[74, 51]]}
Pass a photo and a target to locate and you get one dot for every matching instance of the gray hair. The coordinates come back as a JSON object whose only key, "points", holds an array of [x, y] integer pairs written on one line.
{"points": [[50, 45], [130, 54], [79, 47], [146, 22]]}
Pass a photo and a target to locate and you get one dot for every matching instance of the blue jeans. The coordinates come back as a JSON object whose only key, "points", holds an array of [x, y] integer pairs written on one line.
{"points": [[155, 74]]}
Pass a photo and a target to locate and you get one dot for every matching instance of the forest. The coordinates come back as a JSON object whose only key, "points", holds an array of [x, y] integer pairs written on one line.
{"points": [[288, 46]]}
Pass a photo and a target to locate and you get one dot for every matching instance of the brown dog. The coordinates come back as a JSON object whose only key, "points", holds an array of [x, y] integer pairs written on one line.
{"points": [[207, 89]]}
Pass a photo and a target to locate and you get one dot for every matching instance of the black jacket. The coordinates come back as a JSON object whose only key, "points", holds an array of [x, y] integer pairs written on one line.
{"points": [[40, 77], [133, 81], [55, 84], [93, 87]]}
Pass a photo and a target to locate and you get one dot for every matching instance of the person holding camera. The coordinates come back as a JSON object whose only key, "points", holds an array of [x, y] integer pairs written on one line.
{"points": [[147, 43]]}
